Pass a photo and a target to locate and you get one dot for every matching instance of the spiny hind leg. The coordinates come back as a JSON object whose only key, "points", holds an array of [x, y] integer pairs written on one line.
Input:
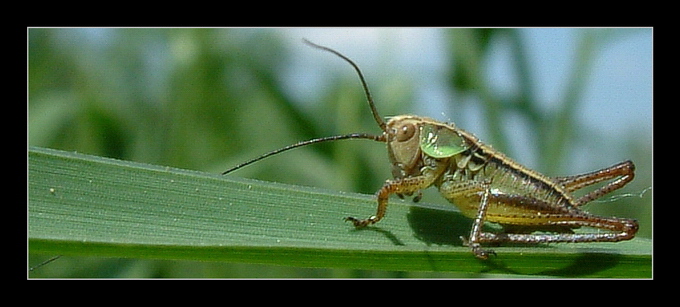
{"points": [[619, 230], [624, 170], [560, 221]]}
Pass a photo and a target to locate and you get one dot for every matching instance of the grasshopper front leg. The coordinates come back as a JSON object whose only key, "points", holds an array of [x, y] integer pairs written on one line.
{"points": [[398, 186], [403, 185]]}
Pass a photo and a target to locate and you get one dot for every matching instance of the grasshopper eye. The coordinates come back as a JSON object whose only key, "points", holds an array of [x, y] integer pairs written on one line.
{"points": [[440, 143], [405, 132]]}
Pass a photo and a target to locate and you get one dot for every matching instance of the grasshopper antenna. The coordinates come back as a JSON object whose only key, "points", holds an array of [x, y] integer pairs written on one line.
{"points": [[379, 138], [377, 117]]}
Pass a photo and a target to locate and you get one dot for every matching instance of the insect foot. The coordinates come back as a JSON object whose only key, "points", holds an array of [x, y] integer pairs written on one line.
{"points": [[482, 253], [361, 223], [477, 249]]}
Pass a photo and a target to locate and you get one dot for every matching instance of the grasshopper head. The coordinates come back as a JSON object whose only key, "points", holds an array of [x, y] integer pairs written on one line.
{"points": [[411, 138], [403, 144]]}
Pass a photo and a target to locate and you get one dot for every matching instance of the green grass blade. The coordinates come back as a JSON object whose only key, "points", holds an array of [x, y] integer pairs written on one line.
{"points": [[92, 206]]}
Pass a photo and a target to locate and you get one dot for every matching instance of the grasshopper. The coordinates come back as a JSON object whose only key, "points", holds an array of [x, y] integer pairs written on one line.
{"points": [[483, 183]]}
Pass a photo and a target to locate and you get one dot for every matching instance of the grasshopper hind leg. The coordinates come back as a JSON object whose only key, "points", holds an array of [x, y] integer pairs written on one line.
{"points": [[560, 222], [625, 171]]}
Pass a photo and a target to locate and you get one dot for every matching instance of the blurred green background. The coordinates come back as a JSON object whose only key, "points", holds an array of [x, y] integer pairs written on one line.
{"points": [[208, 99]]}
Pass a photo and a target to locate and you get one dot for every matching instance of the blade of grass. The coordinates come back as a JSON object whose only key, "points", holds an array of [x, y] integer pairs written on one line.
{"points": [[93, 206]]}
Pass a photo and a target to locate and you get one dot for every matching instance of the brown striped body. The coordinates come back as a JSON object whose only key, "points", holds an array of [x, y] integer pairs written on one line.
{"points": [[483, 183], [488, 186]]}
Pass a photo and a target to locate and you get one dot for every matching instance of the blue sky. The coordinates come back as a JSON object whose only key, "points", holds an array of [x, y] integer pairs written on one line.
{"points": [[616, 102]]}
